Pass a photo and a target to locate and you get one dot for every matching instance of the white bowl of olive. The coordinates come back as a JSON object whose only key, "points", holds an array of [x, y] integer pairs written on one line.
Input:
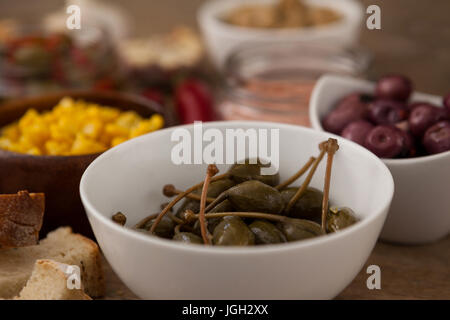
{"points": [[234, 231], [410, 132]]}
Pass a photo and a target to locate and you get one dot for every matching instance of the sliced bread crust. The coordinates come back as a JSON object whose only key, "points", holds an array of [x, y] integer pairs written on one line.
{"points": [[62, 246], [49, 281], [20, 218]]}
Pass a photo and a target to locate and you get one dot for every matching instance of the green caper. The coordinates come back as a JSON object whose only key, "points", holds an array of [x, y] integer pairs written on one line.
{"points": [[255, 196], [309, 206], [232, 231], [217, 187], [266, 233], [249, 171], [340, 218], [187, 237], [298, 229], [164, 229], [188, 204], [214, 189], [224, 206], [119, 218]]}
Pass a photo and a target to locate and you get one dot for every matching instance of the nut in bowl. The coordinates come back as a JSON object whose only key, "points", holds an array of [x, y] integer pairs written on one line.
{"points": [[419, 212], [225, 24], [52, 165], [129, 179]]}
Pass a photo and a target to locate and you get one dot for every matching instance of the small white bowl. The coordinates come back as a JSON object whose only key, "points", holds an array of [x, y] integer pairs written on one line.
{"points": [[130, 177], [420, 211], [222, 38]]}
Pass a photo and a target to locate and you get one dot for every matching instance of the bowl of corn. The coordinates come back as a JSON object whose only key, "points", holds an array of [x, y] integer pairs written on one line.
{"points": [[47, 142]]}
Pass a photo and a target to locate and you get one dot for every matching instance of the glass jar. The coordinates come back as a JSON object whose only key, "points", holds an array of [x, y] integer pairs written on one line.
{"points": [[274, 82], [34, 61]]}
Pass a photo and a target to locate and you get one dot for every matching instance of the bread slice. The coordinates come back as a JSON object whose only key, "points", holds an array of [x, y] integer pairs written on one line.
{"points": [[50, 281], [61, 245], [20, 218]]}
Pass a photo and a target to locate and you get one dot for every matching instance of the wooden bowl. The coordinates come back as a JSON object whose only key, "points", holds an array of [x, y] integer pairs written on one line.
{"points": [[59, 176]]}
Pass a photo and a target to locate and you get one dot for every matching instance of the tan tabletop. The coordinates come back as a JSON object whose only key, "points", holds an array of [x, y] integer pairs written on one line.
{"points": [[407, 272]]}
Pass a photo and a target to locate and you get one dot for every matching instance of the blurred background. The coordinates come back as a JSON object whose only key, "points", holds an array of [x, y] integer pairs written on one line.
{"points": [[146, 64], [414, 39], [220, 59]]}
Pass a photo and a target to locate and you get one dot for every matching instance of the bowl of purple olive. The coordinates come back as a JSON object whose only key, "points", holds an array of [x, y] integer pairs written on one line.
{"points": [[232, 230], [410, 132]]}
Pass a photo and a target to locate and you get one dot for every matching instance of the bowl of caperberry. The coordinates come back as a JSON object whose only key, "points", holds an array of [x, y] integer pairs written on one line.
{"points": [[410, 131]]}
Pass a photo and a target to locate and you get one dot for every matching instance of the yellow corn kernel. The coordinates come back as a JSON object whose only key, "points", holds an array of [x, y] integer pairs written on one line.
{"points": [[139, 130], [157, 122], [16, 147], [5, 143], [35, 151], [128, 119], [28, 118], [108, 114], [12, 132], [145, 126], [84, 145], [48, 118], [64, 107], [57, 148], [92, 129], [117, 140], [36, 134], [74, 127], [59, 134], [68, 124], [92, 111], [25, 142], [66, 102], [115, 130]]}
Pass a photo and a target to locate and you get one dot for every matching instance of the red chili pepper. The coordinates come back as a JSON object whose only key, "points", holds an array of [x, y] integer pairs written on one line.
{"points": [[154, 95], [104, 84], [58, 71], [79, 57], [194, 101]]}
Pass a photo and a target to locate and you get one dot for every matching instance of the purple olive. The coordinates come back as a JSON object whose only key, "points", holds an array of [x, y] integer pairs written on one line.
{"points": [[384, 111], [423, 117], [352, 97], [394, 87], [385, 142], [409, 146], [351, 108], [357, 131], [437, 138], [447, 102], [413, 105], [357, 97]]}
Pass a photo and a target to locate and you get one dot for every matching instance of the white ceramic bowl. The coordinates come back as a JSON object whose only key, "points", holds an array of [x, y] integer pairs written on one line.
{"points": [[420, 211], [130, 178], [221, 38]]}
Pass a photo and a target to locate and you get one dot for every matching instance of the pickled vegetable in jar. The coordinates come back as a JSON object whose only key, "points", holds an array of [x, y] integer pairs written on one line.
{"points": [[275, 82]]}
